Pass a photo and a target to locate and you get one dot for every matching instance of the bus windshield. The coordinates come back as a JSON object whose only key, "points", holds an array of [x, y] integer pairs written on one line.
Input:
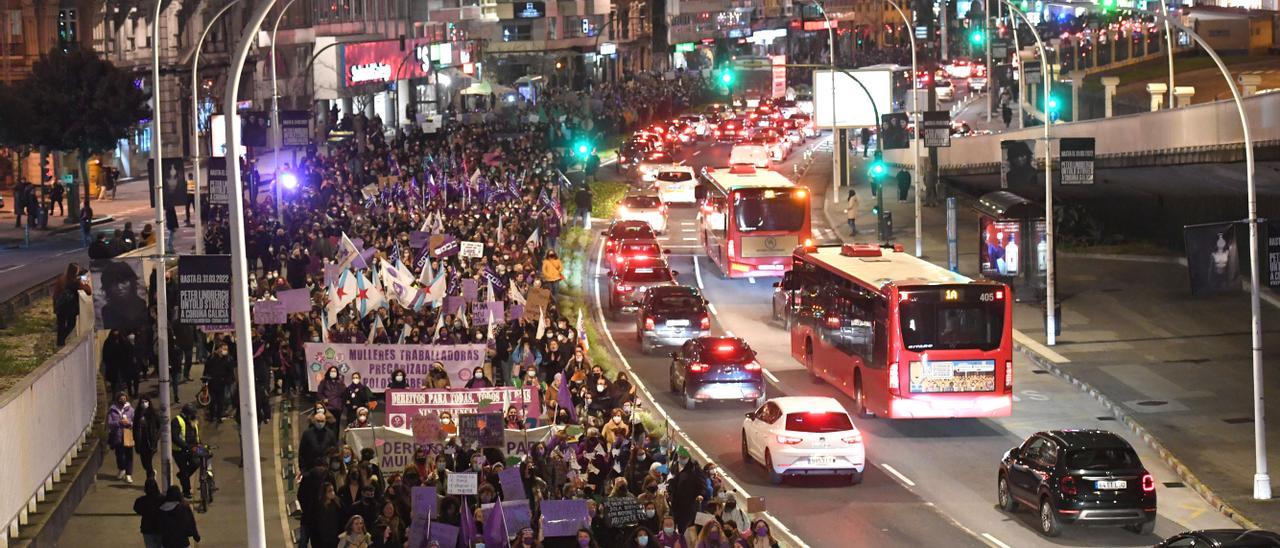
{"points": [[760, 209], [952, 317]]}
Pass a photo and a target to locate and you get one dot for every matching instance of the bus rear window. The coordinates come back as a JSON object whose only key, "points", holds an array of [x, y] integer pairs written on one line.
{"points": [[952, 318], [818, 422], [760, 209]]}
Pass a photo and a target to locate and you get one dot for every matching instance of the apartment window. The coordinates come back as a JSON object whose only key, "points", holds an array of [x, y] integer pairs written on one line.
{"points": [[67, 27], [518, 32]]}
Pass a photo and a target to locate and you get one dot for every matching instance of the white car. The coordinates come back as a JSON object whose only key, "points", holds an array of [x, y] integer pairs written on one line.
{"points": [[804, 436], [644, 207], [756, 154], [698, 122], [944, 90], [676, 184]]}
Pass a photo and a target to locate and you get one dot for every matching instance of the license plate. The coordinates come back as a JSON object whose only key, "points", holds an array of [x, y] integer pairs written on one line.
{"points": [[677, 323], [1112, 484], [822, 461]]}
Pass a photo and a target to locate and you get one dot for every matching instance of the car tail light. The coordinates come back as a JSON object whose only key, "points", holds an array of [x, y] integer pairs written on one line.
{"points": [[1068, 485], [663, 209], [789, 440], [717, 133], [833, 322], [608, 244], [752, 366], [705, 323], [623, 288], [854, 439], [617, 259], [698, 367], [648, 324], [1008, 374], [893, 377], [1148, 483]]}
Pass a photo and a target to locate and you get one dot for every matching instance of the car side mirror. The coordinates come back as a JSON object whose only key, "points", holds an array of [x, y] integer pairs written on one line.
{"points": [[675, 274], [1015, 452], [604, 233], [777, 284], [751, 415], [666, 251]]}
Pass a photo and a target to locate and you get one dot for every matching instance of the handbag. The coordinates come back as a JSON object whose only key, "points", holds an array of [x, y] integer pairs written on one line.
{"points": [[127, 440]]}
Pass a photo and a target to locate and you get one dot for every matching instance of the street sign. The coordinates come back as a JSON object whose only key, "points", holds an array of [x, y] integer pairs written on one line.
{"points": [[295, 128], [937, 128], [1075, 160], [1032, 71]]}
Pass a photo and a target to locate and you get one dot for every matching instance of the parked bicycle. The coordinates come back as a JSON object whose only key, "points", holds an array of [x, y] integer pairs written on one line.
{"points": [[204, 455]]}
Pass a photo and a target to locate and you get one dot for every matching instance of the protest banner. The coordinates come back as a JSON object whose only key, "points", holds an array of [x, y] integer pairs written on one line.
{"points": [[512, 484], [484, 429], [537, 299], [393, 447], [563, 518], [461, 483], [269, 312], [521, 442], [471, 250], [376, 362], [623, 511], [204, 289], [402, 405]]}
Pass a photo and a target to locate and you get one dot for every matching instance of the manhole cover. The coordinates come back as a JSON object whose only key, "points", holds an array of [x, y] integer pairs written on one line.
{"points": [[1174, 484], [1152, 403], [1039, 371], [1106, 418]]}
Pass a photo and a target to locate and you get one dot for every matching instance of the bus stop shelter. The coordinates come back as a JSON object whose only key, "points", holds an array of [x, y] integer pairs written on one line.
{"points": [[1011, 243]]}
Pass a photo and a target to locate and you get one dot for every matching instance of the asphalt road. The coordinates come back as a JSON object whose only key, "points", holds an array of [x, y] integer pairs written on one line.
{"points": [[928, 482]]}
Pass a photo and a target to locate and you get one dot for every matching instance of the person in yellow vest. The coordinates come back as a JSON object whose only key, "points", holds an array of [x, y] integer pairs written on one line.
{"points": [[186, 436]]}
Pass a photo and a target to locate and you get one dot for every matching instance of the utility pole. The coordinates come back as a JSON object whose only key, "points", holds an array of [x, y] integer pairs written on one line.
{"points": [[162, 249]]}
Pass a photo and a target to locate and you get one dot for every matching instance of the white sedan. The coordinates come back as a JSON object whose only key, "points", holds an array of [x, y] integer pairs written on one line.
{"points": [[804, 436], [676, 183], [644, 207]]}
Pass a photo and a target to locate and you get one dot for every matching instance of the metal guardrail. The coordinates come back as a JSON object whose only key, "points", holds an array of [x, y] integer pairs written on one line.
{"points": [[10, 308]]}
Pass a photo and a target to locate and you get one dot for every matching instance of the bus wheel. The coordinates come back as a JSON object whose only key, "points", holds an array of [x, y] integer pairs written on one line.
{"points": [[860, 398]]}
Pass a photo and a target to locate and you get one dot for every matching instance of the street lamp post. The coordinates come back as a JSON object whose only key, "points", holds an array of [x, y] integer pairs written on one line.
{"points": [[1168, 44], [162, 248], [915, 143], [277, 136], [195, 123], [1051, 319], [1261, 477], [837, 150], [256, 531]]}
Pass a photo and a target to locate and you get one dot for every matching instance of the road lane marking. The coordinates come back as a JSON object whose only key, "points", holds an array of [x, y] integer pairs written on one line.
{"points": [[712, 308], [902, 478], [70, 251], [751, 280], [995, 541], [771, 376], [626, 364], [688, 230], [11, 268], [1038, 348], [688, 239], [697, 275]]}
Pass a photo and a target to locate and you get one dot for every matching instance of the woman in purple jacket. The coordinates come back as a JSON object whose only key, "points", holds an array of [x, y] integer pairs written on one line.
{"points": [[331, 393]]}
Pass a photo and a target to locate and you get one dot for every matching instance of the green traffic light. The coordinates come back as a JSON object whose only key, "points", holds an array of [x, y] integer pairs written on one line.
{"points": [[726, 77], [1053, 104], [582, 149], [976, 37]]}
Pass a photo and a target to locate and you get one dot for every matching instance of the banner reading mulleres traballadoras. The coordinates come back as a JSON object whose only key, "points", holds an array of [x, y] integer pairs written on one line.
{"points": [[376, 362]]}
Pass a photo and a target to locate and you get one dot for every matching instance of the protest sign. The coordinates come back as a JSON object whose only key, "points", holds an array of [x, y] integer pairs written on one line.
{"points": [[482, 428], [461, 483], [295, 300], [470, 290], [563, 518], [623, 511], [424, 503], [515, 514], [402, 405], [426, 428], [418, 239], [269, 312], [520, 442], [471, 250], [537, 299], [512, 484], [443, 533], [204, 289], [376, 362]]}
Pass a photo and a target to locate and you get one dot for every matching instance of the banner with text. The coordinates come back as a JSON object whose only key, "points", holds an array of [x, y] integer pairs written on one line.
{"points": [[216, 182], [204, 289], [403, 405], [376, 362]]}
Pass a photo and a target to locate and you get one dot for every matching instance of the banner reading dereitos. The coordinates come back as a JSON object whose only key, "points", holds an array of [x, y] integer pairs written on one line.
{"points": [[376, 362]]}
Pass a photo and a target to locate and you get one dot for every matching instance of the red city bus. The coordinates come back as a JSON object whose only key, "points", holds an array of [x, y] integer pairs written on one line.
{"points": [[901, 336], [752, 219]]}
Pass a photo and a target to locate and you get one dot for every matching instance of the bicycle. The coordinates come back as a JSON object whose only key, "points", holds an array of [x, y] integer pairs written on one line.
{"points": [[204, 456], [202, 397]]}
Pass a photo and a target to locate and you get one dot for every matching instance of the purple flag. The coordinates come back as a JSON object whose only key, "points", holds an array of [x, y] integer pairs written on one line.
{"points": [[495, 528], [497, 308], [564, 399], [512, 483], [443, 533], [418, 239], [295, 300], [563, 518], [468, 530], [362, 261], [452, 304], [331, 273], [469, 289]]}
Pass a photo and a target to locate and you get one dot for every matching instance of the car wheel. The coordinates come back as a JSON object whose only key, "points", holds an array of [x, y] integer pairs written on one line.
{"points": [[1144, 528], [774, 477], [746, 455], [1004, 498], [690, 403], [855, 478], [1049, 525]]}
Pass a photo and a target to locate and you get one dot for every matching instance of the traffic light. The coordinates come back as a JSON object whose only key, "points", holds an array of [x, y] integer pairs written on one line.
{"points": [[1053, 108], [878, 168], [976, 36], [726, 77], [583, 148]]}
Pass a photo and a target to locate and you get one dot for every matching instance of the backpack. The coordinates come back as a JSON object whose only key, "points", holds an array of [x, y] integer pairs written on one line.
{"points": [[67, 301]]}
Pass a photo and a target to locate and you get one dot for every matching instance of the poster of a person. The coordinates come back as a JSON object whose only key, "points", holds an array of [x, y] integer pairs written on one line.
{"points": [[122, 301]]}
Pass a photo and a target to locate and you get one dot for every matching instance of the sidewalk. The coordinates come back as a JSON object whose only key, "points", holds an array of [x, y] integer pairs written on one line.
{"points": [[105, 517], [131, 198], [1175, 367]]}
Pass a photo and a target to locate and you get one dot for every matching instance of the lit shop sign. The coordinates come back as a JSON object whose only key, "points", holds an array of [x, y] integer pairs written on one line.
{"points": [[372, 72], [608, 48], [384, 61], [530, 10]]}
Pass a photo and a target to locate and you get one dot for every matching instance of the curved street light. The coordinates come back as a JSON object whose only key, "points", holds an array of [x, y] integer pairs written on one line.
{"points": [[195, 122], [275, 114]]}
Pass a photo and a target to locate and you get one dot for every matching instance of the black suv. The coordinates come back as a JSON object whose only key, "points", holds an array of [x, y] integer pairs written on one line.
{"points": [[1223, 538], [717, 368], [1086, 477], [671, 315]]}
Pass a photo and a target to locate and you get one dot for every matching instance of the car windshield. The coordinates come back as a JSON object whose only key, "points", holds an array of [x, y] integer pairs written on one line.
{"points": [[1102, 458], [647, 274], [677, 302], [760, 209], [641, 202], [632, 232], [644, 248], [675, 176], [819, 422]]}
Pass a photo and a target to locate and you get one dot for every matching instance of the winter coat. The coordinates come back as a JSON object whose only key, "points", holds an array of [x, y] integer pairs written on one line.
{"points": [[146, 431], [118, 419], [851, 207], [177, 525], [332, 392], [552, 269]]}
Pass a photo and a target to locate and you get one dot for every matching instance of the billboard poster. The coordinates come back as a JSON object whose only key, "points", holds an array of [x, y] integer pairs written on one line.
{"points": [[1212, 259], [404, 405], [1075, 160], [295, 128], [175, 181], [839, 95], [204, 289], [1272, 252], [253, 128], [1017, 163], [998, 256], [120, 296], [216, 183], [896, 132], [779, 76], [937, 129], [383, 61], [376, 362]]}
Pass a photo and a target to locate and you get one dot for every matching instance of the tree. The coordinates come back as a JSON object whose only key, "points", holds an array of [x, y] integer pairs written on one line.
{"points": [[82, 103]]}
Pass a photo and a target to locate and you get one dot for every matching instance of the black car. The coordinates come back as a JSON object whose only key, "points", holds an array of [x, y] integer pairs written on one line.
{"points": [[629, 282], [1085, 477], [717, 368], [671, 315], [1223, 538]]}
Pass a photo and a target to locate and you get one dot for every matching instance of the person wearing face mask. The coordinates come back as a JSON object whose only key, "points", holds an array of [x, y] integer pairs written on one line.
{"points": [[686, 491], [615, 429], [601, 402], [120, 438], [437, 377], [760, 536], [331, 392], [641, 538], [668, 536], [220, 367], [398, 380], [734, 536], [478, 379], [713, 536], [362, 418], [366, 506], [316, 441], [586, 540], [356, 395], [146, 434]]}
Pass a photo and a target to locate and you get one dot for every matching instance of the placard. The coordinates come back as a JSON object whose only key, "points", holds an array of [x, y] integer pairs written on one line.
{"points": [[622, 511], [426, 428], [471, 250], [204, 289], [512, 484], [461, 483], [295, 130], [269, 313], [216, 181], [563, 518], [403, 405], [482, 428], [1075, 160], [937, 129], [376, 362], [536, 300], [424, 503]]}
